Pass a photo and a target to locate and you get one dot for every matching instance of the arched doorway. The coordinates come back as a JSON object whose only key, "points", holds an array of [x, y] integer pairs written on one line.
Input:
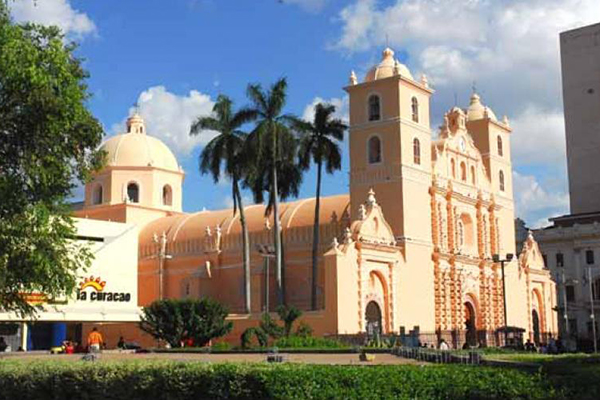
{"points": [[373, 316], [470, 324], [535, 319]]}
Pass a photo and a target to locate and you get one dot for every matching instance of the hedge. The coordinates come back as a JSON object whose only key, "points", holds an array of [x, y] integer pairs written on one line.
{"points": [[192, 380]]}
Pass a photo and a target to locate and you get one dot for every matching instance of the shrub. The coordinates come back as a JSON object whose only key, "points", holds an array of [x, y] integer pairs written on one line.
{"points": [[304, 330], [300, 342], [289, 315], [261, 337], [270, 327], [169, 380], [175, 321]]}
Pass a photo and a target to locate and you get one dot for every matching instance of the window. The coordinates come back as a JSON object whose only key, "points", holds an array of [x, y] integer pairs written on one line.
{"points": [[97, 195], [374, 108], [167, 195], [133, 193], [596, 289], [473, 181], [463, 172], [417, 151], [560, 260], [589, 256], [453, 168], [415, 109], [570, 292], [500, 151], [501, 176], [374, 150], [545, 258], [141, 129]]}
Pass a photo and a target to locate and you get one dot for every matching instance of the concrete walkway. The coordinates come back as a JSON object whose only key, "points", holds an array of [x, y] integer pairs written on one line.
{"points": [[311, 358]]}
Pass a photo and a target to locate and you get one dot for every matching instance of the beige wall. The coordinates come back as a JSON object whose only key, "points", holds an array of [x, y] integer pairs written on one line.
{"points": [[580, 56]]}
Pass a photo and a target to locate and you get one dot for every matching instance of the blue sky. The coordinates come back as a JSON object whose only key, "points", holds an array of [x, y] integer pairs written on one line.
{"points": [[174, 57]]}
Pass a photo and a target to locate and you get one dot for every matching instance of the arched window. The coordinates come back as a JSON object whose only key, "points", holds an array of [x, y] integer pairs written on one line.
{"points": [[417, 151], [500, 151], [453, 168], [133, 193], [374, 148], [460, 234], [167, 195], [463, 171], [473, 180], [374, 108], [501, 178], [415, 109], [97, 195]]}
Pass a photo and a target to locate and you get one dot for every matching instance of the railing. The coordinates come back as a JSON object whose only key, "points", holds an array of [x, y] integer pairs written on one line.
{"points": [[438, 356]]}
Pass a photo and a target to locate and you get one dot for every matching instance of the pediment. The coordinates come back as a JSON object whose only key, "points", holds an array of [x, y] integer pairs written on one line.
{"points": [[371, 226]]}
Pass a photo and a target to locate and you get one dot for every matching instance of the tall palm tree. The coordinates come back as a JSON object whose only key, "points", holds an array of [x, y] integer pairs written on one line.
{"points": [[318, 142], [227, 150], [272, 147]]}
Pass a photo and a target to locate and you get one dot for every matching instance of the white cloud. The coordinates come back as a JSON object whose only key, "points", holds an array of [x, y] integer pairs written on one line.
{"points": [[53, 12], [169, 116], [509, 48], [539, 138], [341, 108], [308, 5], [534, 203]]}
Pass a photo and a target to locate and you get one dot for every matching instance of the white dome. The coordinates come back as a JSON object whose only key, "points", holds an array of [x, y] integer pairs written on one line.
{"points": [[136, 149], [388, 67]]}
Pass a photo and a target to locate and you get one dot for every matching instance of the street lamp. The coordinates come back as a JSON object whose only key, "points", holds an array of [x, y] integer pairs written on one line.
{"points": [[266, 252], [588, 279], [496, 259]]}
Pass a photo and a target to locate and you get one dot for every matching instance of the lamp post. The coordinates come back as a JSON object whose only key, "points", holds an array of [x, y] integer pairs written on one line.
{"points": [[496, 259], [593, 313], [266, 252]]}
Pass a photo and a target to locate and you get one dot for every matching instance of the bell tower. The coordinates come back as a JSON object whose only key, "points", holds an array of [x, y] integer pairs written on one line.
{"points": [[390, 146]]}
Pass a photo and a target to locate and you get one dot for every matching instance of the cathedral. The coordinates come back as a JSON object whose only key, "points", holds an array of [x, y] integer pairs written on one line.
{"points": [[412, 249]]}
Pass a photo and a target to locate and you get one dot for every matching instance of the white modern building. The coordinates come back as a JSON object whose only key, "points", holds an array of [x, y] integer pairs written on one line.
{"points": [[107, 292]]}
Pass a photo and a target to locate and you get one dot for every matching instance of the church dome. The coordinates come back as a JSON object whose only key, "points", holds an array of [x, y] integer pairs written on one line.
{"points": [[388, 66], [136, 149], [478, 111]]}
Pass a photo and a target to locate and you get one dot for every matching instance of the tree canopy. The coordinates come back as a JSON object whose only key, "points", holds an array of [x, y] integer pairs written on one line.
{"points": [[175, 321], [48, 141]]}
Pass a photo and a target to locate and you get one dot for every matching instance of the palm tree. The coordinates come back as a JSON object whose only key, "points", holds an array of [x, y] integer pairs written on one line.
{"points": [[227, 149], [272, 147], [318, 142]]}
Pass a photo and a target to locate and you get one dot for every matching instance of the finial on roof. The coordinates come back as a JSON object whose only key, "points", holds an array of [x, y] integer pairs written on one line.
{"points": [[353, 78], [424, 80], [505, 120], [371, 200], [396, 67], [348, 236], [387, 53]]}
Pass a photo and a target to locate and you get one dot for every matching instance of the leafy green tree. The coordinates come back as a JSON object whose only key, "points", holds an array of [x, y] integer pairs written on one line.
{"points": [[227, 151], [176, 320], [48, 139], [272, 148], [319, 144]]}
